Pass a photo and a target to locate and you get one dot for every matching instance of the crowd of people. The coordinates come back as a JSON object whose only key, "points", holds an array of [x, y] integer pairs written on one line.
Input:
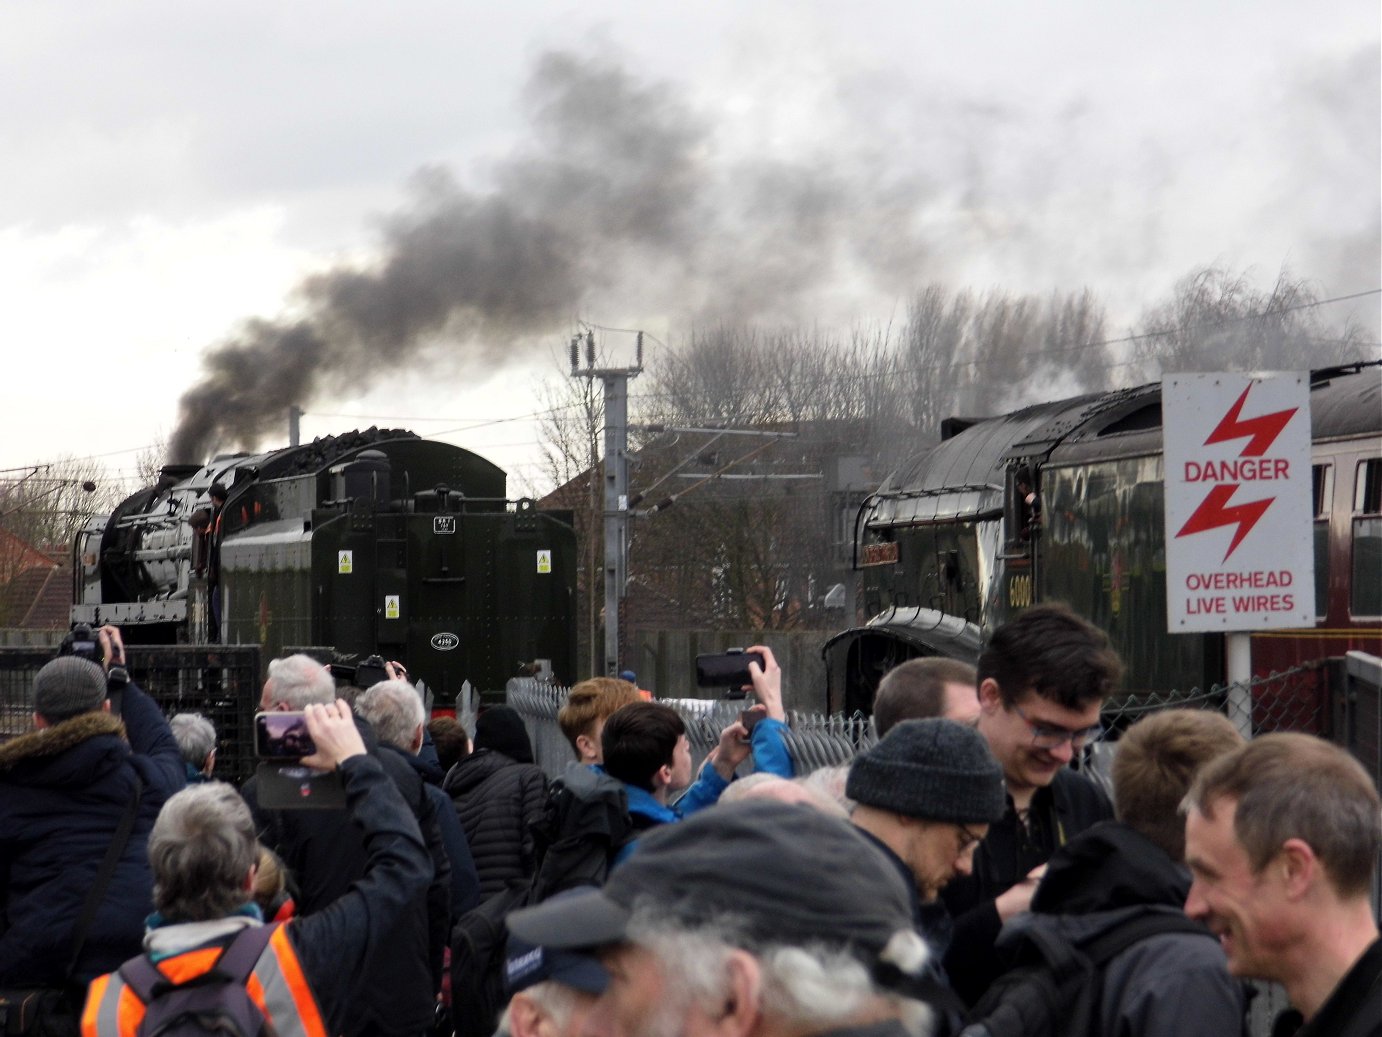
{"points": [[929, 887]]}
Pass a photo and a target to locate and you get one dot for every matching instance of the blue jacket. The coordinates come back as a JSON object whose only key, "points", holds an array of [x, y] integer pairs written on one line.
{"points": [[770, 749], [63, 791]]}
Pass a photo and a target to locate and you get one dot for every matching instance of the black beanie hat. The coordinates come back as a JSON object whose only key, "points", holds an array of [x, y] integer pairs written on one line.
{"points": [[933, 769], [501, 728]]}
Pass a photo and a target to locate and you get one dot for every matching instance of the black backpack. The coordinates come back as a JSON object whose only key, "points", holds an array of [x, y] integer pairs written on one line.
{"points": [[1055, 986], [215, 1002], [584, 826]]}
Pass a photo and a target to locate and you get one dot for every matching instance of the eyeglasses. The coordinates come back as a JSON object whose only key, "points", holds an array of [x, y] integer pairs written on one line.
{"points": [[968, 838], [1052, 736]]}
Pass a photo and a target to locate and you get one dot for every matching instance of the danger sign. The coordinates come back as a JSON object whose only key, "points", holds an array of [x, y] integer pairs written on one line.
{"points": [[1238, 506]]}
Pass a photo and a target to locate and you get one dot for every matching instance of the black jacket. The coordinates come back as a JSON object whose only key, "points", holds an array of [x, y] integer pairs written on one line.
{"points": [[63, 791], [1354, 1007], [1171, 983], [1059, 812], [326, 854], [498, 799], [465, 881]]}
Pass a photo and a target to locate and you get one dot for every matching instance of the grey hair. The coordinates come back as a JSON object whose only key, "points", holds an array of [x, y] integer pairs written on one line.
{"points": [[200, 851], [801, 985], [741, 787], [555, 1000], [296, 681], [394, 710], [830, 781], [195, 736]]}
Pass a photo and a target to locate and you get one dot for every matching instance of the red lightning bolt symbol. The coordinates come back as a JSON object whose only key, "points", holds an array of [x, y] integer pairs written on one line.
{"points": [[1213, 512], [1263, 429]]}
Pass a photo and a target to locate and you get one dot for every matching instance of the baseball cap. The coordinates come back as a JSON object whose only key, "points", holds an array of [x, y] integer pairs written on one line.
{"points": [[528, 964]]}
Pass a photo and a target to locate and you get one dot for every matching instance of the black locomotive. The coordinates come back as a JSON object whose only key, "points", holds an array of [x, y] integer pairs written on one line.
{"points": [[1064, 501], [374, 542]]}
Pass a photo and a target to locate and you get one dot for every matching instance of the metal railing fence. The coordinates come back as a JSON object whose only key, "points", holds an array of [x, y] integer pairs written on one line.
{"points": [[222, 682]]}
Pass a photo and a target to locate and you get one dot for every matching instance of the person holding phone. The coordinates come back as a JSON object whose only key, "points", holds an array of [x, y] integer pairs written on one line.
{"points": [[326, 855]]}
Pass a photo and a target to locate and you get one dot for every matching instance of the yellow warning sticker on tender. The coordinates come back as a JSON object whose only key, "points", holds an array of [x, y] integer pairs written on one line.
{"points": [[391, 606], [345, 562], [544, 561]]}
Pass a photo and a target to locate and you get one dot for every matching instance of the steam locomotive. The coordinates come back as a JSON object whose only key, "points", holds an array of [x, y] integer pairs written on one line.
{"points": [[373, 542], [948, 547]]}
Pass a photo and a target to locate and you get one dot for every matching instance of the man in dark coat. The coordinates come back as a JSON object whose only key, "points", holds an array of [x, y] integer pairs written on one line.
{"points": [[499, 793], [394, 709], [1043, 678], [1282, 837], [326, 855], [63, 790]]}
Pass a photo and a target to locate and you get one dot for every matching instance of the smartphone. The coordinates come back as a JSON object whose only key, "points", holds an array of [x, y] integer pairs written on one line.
{"points": [[749, 717], [726, 669], [282, 736]]}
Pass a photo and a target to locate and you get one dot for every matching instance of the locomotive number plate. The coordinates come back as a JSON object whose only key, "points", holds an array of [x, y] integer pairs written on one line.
{"points": [[443, 523]]}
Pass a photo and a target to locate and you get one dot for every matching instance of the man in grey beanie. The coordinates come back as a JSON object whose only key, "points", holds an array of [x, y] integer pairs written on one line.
{"points": [[64, 788], [925, 795]]}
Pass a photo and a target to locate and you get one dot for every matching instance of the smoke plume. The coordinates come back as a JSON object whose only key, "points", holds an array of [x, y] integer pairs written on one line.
{"points": [[618, 186], [626, 199]]}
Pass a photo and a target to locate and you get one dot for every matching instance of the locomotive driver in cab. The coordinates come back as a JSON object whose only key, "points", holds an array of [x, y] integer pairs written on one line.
{"points": [[1043, 679]]}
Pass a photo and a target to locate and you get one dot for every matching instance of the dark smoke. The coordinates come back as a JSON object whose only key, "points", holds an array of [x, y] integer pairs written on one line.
{"points": [[625, 200], [619, 189]]}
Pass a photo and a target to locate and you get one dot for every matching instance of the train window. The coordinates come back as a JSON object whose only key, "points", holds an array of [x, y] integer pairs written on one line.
{"points": [[1022, 509], [1321, 568], [1367, 491], [1321, 487], [1365, 583]]}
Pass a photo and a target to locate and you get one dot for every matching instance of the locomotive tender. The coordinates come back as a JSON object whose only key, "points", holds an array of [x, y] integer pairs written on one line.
{"points": [[369, 542], [950, 546]]}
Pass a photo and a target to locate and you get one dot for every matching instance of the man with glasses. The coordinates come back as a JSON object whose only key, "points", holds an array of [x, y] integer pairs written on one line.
{"points": [[1042, 681], [925, 795]]}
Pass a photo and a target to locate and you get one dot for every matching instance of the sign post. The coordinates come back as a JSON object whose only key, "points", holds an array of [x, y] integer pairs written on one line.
{"points": [[1239, 551]]}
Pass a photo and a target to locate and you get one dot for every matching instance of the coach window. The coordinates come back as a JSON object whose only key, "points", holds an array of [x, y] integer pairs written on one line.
{"points": [[1366, 587], [1322, 487]]}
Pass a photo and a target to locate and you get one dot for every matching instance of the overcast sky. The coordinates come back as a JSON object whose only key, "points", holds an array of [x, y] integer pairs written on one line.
{"points": [[175, 169]]}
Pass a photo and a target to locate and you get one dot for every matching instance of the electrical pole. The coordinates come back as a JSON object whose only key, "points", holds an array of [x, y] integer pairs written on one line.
{"points": [[616, 481]]}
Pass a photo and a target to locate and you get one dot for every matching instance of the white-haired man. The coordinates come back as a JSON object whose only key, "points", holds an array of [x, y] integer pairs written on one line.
{"points": [[398, 995], [757, 919], [394, 709]]}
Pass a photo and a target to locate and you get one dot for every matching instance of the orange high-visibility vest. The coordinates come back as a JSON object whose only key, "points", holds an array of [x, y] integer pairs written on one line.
{"points": [[276, 985]]}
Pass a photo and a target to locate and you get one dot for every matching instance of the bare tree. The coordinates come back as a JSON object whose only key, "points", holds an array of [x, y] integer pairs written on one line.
{"points": [[1216, 319]]}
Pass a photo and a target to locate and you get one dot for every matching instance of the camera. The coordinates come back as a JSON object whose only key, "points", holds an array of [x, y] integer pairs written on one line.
{"points": [[726, 669], [81, 641], [370, 672], [363, 675], [282, 736]]}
